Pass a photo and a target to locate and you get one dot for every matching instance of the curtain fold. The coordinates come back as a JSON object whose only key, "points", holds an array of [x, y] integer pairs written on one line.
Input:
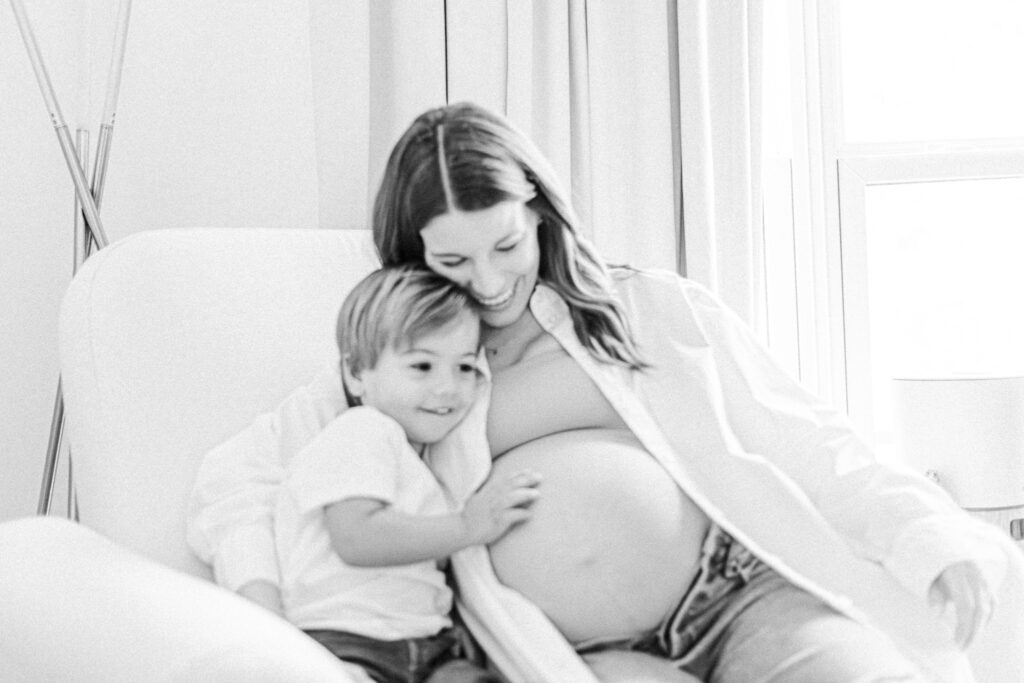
{"points": [[647, 111], [719, 104], [375, 66]]}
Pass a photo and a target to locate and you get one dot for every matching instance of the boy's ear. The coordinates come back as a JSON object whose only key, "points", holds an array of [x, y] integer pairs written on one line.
{"points": [[353, 384]]}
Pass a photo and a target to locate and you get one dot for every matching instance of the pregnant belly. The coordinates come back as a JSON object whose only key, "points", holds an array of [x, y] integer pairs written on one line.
{"points": [[613, 543]]}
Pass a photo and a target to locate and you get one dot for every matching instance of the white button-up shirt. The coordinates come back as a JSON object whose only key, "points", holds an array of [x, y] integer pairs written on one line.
{"points": [[769, 462]]}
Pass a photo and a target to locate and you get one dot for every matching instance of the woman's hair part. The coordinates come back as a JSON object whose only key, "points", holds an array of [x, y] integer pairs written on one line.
{"points": [[463, 157]]}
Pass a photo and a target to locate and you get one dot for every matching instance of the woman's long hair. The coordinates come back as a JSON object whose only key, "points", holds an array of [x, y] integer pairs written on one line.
{"points": [[463, 157]]}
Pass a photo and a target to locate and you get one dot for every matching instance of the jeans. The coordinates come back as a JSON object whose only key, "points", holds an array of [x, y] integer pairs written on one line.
{"points": [[431, 659], [741, 622]]}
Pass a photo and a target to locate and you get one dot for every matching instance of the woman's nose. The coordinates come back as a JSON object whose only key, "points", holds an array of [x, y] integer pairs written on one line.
{"points": [[487, 282]]}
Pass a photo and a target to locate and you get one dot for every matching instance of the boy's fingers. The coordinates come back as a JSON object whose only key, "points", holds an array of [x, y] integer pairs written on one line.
{"points": [[522, 496], [525, 478], [515, 515]]}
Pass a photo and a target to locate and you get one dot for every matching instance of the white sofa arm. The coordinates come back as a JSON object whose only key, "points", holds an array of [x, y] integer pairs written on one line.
{"points": [[75, 606]]}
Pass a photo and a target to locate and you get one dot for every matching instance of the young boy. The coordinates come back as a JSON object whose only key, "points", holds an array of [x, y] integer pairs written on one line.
{"points": [[362, 523]]}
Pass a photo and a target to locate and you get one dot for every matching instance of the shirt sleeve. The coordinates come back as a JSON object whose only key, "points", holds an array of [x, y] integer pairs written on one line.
{"points": [[887, 513], [231, 507], [355, 456]]}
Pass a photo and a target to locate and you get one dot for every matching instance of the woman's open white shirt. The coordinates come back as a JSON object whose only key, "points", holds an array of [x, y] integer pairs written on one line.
{"points": [[764, 458]]}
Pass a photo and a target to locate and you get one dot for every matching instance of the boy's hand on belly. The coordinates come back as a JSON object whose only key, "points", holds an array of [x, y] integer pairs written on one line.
{"points": [[498, 505]]}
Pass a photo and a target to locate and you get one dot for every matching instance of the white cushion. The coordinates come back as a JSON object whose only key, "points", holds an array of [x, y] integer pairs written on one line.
{"points": [[76, 607]]}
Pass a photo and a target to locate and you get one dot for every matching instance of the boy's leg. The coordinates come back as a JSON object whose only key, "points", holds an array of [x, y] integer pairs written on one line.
{"points": [[444, 658], [462, 671], [385, 661]]}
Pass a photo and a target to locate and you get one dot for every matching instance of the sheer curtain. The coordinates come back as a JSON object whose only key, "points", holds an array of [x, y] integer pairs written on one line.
{"points": [[720, 48], [645, 110]]}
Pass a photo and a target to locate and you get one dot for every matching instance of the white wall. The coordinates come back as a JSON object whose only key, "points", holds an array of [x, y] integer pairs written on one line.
{"points": [[215, 127], [35, 259]]}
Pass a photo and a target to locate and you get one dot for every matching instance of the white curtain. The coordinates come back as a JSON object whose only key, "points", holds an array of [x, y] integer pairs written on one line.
{"points": [[644, 108], [719, 108]]}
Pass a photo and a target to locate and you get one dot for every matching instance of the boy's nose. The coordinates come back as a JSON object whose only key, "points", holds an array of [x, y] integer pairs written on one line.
{"points": [[445, 383]]}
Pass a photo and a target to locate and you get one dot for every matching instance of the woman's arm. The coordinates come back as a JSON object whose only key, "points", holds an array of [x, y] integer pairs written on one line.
{"points": [[230, 512], [371, 533], [889, 514]]}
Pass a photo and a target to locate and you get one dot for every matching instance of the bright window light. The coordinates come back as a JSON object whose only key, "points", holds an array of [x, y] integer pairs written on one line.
{"points": [[945, 283], [918, 70]]}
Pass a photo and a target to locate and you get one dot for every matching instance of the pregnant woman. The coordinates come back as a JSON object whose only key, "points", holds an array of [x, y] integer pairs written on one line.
{"points": [[697, 506]]}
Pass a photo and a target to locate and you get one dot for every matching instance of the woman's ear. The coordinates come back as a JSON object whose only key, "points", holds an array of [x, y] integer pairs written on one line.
{"points": [[353, 384]]}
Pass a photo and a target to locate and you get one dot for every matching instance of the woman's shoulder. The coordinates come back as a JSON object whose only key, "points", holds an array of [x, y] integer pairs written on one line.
{"points": [[655, 282]]}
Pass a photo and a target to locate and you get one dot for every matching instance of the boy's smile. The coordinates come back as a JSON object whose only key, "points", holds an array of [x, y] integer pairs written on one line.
{"points": [[426, 386]]}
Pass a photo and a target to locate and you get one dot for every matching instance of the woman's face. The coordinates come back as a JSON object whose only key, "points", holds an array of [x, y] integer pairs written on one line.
{"points": [[492, 252]]}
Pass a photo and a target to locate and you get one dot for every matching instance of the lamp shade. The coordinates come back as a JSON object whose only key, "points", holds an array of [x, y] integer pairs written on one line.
{"points": [[968, 433]]}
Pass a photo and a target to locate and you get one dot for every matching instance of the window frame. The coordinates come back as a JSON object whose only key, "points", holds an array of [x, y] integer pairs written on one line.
{"points": [[856, 173], [829, 180]]}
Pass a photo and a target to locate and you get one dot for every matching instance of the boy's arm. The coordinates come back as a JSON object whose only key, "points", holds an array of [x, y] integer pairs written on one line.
{"points": [[366, 532]]}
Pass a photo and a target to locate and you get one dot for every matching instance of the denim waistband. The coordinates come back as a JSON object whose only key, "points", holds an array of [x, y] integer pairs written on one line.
{"points": [[724, 565]]}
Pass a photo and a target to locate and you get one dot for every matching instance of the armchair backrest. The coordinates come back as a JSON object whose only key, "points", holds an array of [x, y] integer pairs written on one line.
{"points": [[173, 340]]}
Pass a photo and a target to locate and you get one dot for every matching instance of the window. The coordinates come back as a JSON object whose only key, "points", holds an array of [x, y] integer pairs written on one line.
{"points": [[906, 188]]}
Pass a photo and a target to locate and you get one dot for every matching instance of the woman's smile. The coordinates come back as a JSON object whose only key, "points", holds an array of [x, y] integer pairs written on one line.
{"points": [[496, 303], [492, 252]]}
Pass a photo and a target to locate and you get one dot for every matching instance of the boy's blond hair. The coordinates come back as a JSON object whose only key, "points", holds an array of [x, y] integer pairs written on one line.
{"points": [[391, 308]]}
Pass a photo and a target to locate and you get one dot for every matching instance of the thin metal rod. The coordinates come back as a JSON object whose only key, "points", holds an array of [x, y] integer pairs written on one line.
{"points": [[82, 247], [72, 509], [99, 172], [99, 169], [52, 453], [87, 204], [124, 11], [67, 147], [83, 238]]}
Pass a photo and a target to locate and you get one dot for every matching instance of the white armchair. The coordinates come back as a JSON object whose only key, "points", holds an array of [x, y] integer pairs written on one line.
{"points": [[170, 342]]}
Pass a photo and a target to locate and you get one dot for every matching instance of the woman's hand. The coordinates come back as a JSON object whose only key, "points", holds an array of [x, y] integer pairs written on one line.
{"points": [[963, 585]]}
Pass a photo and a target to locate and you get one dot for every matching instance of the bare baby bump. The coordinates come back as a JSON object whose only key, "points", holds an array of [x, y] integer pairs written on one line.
{"points": [[613, 543]]}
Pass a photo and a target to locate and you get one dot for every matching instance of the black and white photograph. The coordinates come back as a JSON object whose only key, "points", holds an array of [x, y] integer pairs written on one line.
{"points": [[512, 341]]}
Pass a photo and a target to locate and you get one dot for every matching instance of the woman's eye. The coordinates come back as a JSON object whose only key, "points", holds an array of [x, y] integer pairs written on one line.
{"points": [[508, 247], [453, 263]]}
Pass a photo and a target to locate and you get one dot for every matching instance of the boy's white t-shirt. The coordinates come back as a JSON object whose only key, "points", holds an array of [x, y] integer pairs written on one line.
{"points": [[361, 454]]}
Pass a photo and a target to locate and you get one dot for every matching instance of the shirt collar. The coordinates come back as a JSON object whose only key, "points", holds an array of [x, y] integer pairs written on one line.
{"points": [[548, 307]]}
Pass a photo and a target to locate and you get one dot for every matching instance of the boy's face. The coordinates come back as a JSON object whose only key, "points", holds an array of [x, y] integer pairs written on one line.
{"points": [[428, 386]]}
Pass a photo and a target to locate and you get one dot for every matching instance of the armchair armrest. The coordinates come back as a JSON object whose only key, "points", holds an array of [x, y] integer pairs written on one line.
{"points": [[75, 606]]}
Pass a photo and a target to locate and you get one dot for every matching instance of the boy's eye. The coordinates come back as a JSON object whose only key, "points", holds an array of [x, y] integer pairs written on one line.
{"points": [[422, 366], [467, 368]]}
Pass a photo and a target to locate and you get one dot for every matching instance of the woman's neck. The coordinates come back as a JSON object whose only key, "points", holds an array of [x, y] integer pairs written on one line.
{"points": [[506, 346]]}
